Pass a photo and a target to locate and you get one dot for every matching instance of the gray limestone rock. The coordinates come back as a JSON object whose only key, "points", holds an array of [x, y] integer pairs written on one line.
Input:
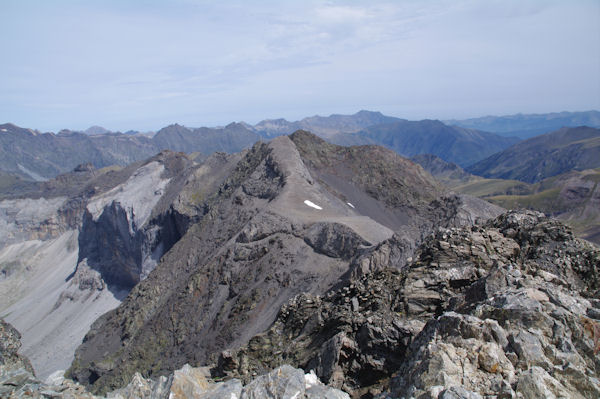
{"points": [[285, 382], [334, 240], [458, 392], [491, 308], [10, 343]]}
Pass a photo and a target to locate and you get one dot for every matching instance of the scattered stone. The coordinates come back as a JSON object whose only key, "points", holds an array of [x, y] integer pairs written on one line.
{"points": [[468, 319]]}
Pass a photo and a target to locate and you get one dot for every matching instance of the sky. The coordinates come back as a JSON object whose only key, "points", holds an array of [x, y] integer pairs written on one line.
{"points": [[142, 65]]}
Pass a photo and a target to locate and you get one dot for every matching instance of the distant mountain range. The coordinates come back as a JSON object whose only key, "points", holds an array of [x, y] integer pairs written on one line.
{"points": [[38, 156], [453, 144], [231, 138], [528, 125], [92, 130], [32, 155], [407, 138], [324, 126], [544, 156]]}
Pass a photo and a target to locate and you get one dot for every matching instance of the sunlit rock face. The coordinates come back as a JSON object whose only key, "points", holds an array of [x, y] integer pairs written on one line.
{"points": [[116, 237]]}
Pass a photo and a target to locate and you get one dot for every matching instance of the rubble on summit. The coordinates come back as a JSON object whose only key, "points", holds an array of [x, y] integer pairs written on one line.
{"points": [[508, 309]]}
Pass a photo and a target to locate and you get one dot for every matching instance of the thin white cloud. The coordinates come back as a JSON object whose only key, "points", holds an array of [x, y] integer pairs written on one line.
{"points": [[202, 62], [342, 14]]}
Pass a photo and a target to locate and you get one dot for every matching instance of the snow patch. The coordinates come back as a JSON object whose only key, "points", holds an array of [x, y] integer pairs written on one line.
{"points": [[296, 395], [4, 130], [312, 204], [350, 205], [311, 379]]}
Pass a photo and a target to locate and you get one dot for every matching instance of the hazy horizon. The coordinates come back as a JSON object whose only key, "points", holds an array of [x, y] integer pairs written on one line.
{"points": [[275, 118], [143, 65]]}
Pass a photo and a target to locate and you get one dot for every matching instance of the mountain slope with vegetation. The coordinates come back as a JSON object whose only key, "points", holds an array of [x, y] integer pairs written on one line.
{"points": [[544, 156], [408, 138], [573, 197]]}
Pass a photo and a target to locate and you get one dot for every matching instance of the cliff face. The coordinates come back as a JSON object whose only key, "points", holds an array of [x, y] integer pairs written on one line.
{"points": [[74, 247], [271, 231], [115, 236], [127, 229]]}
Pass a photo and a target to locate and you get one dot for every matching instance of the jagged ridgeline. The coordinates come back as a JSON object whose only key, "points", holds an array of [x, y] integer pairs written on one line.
{"points": [[352, 262], [292, 217], [506, 308]]}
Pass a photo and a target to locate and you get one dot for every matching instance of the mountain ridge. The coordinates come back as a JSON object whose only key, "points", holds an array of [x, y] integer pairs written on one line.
{"points": [[40, 156], [409, 138], [544, 156], [325, 126], [350, 261], [526, 126], [263, 241]]}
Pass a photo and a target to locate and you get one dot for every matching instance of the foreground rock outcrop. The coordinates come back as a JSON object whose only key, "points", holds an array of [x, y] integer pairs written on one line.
{"points": [[508, 309], [17, 380]]}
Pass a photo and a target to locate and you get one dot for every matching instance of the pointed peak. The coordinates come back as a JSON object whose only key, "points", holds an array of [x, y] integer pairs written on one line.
{"points": [[304, 136]]}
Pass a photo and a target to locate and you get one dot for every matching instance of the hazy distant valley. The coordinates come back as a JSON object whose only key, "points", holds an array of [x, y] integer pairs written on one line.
{"points": [[375, 251]]}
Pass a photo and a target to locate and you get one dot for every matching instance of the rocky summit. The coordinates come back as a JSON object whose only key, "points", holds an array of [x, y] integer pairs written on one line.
{"points": [[506, 309], [294, 269], [289, 219], [17, 380]]}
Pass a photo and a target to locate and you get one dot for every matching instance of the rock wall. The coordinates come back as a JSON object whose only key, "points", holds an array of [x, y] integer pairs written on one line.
{"points": [[508, 309]]}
